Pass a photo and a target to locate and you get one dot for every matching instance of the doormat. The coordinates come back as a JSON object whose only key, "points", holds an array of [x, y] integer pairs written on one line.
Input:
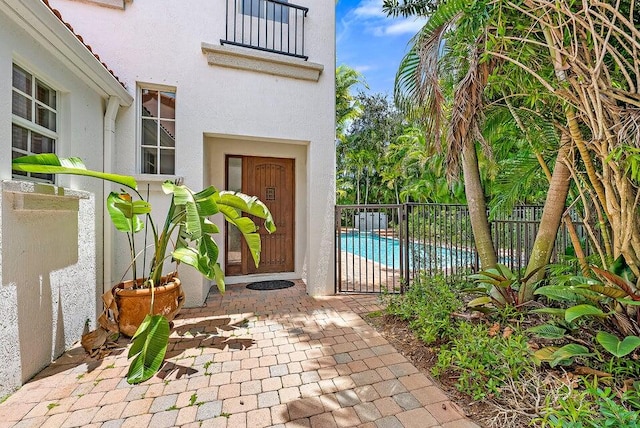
{"points": [[270, 285]]}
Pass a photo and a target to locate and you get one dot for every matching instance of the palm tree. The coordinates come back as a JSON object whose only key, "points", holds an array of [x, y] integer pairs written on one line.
{"points": [[439, 56], [347, 107], [581, 55]]}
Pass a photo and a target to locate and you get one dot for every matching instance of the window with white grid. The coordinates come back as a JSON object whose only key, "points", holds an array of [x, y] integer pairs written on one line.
{"points": [[33, 120], [157, 131]]}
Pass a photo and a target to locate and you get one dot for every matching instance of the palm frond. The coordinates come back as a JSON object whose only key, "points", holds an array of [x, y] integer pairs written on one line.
{"points": [[406, 8], [417, 89], [467, 114]]}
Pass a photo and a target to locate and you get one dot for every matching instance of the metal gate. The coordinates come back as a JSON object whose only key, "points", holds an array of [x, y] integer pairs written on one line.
{"points": [[370, 257]]}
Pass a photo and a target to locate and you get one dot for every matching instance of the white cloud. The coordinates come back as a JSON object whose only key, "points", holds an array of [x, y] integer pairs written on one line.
{"points": [[369, 9], [364, 68], [369, 16], [405, 26]]}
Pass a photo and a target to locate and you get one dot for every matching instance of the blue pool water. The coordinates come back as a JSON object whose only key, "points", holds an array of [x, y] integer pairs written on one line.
{"points": [[386, 251]]}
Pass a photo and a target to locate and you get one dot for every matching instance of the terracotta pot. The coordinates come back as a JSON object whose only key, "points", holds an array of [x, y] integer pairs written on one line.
{"points": [[133, 304]]}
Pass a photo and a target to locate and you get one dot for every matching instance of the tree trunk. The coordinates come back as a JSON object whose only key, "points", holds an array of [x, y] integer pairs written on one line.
{"points": [[477, 207], [554, 208]]}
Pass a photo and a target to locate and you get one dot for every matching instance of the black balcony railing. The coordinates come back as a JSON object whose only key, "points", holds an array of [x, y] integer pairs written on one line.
{"points": [[267, 25]]}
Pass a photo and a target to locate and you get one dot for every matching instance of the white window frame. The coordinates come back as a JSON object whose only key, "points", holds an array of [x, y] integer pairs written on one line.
{"points": [[140, 116], [31, 125]]}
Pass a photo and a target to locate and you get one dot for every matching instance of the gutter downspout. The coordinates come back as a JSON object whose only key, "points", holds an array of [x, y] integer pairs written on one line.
{"points": [[109, 138]]}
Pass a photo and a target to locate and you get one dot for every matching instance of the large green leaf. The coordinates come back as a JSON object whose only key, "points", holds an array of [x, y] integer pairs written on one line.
{"points": [[148, 348], [248, 204], [558, 292], [219, 277], [617, 347], [49, 163], [203, 257], [568, 353], [247, 227], [184, 199], [124, 212], [579, 311], [548, 331], [206, 201], [187, 255], [570, 293], [621, 268], [559, 312]]}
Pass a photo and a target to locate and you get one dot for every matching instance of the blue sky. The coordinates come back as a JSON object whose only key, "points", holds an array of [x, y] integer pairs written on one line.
{"points": [[370, 42]]}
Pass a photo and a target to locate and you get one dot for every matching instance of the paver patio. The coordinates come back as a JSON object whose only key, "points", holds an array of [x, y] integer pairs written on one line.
{"points": [[246, 359]]}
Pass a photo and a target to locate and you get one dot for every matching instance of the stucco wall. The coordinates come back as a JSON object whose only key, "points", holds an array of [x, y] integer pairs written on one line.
{"points": [[48, 277], [49, 260], [159, 42]]}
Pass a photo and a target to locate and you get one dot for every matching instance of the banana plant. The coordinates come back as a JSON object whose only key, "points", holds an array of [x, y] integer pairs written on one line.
{"points": [[188, 215]]}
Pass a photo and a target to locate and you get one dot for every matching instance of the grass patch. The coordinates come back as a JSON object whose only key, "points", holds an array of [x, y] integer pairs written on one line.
{"points": [[375, 314]]}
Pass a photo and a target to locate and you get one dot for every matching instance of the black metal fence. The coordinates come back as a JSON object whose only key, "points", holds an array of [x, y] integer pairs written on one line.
{"points": [[267, 25], [381, 248]]}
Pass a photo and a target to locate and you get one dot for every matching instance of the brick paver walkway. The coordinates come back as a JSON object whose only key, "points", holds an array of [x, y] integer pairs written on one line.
{"points": [[246, 359]]}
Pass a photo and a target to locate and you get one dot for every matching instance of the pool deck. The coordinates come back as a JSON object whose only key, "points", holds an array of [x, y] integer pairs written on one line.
{"points": [[361, 275], [246, 359]]}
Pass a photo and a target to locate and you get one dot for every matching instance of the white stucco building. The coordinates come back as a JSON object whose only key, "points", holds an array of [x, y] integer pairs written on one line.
{"points": [[234, 93]]}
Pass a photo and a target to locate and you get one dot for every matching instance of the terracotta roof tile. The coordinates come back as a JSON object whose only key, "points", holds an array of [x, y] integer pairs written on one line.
{"points": [[57, 13]]}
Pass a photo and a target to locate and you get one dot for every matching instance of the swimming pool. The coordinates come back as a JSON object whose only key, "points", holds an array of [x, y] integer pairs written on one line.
{"points": [[386, 251]]}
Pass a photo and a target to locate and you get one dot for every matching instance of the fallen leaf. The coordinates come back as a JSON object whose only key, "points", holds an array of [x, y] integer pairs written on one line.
{"points": [[94, 339], [533, 345], [571, 380], [495, 328], [582, 370], [507, 332]]}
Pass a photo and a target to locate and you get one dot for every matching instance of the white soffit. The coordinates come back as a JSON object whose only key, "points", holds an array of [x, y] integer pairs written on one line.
{"points": [[115, 4], [39, 21]]}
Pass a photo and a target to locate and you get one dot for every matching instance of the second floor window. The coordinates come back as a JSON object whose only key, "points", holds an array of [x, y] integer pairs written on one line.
{"points": [[157, 131], [272, 10], [33, 120]]}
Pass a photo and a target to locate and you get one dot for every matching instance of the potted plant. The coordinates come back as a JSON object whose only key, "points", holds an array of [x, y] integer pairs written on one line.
{"points": [[185, 236]]}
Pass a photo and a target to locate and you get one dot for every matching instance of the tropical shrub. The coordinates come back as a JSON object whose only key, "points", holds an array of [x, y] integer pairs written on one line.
{"points": [[593, 407], [483, 360], [499, 287], [427, 306], [607, 302]]}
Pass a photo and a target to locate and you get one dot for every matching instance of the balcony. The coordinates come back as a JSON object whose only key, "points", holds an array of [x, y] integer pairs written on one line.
{"points": [[267, 25]]}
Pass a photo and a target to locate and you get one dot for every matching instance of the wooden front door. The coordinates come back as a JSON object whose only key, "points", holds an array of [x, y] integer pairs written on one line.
{"points": [[272, 181]]}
